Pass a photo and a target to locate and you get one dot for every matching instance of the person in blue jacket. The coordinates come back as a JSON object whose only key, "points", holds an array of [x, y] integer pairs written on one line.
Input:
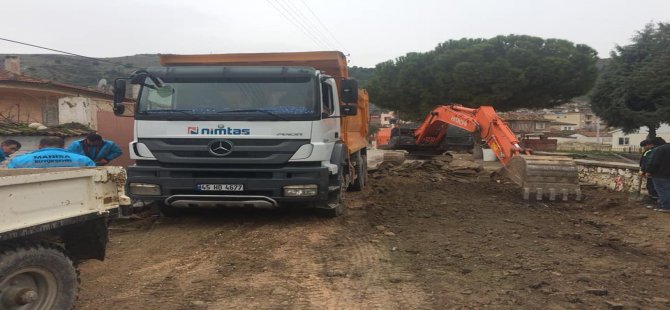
{"points": [[94, 147], [49, 155]]}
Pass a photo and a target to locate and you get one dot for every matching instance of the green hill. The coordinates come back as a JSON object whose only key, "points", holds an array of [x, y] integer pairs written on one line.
{"points": [[82, 71]]}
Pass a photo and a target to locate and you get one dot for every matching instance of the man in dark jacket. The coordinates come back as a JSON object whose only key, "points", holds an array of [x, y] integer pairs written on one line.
{"points": [[648, 145], [659, 169]]}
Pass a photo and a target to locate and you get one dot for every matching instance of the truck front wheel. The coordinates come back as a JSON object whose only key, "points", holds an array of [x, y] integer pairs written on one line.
{"points": [[334, 207], [36, 276]]}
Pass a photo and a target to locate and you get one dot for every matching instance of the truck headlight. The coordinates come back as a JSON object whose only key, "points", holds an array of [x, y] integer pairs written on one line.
{"points": [[145, 189], [301, 190]]}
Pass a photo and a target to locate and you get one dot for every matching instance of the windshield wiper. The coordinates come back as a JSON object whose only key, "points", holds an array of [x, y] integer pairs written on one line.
{"points": [[182, 111], [256, 110]]}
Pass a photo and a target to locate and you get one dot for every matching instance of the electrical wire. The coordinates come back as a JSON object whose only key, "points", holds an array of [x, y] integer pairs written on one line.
{"points": [[310, 25], [305, 32], [324, 27], [68, 53]]}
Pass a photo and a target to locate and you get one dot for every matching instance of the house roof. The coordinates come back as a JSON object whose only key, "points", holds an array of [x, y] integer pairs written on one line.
{"points": [[64, 130], [516, 116], [7, 77]]}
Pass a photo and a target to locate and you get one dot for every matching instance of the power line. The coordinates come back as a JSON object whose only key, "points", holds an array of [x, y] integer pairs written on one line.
{"points": [[310, 25], [68, 53], [324, 27], [305, 32], [297, 20]]}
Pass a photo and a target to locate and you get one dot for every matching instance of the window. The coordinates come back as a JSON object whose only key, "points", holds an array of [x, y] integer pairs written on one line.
{"points": [[539, 125], [623, 141], [327, 99]]}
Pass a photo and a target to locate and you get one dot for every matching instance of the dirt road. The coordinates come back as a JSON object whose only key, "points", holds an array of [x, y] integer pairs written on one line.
{"points": [[411, 240]]}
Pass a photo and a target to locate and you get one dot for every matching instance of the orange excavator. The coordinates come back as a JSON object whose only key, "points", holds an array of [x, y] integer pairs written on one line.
{"points": [[539, 176]]}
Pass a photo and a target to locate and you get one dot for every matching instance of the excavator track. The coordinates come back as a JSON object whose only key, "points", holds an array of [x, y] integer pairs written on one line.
{"points": [[545, 176]]}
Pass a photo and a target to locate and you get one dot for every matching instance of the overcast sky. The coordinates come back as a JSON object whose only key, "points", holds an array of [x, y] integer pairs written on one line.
{"points": [[371, 31]]}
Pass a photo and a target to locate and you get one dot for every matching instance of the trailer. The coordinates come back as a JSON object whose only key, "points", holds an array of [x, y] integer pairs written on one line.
{"points": [[50, 220]]}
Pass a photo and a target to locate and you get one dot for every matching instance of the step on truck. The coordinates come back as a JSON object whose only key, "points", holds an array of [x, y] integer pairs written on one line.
{"points": [[51, 219], [261, 130]]}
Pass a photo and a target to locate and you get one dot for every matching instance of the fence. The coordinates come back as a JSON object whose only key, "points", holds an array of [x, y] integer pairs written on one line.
{"points": [[590, 147], [618, 177]]}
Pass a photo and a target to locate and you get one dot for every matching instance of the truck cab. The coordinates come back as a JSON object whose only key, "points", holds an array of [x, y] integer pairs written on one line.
{"points": [[262, 136]]}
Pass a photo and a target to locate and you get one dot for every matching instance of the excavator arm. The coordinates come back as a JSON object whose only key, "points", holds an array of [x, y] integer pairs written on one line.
{"points": [[483, 120], [539, 175]]}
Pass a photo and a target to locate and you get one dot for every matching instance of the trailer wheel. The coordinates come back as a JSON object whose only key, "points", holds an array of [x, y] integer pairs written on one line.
{"points": [[361, 174], [36, 276], [335, 204]]}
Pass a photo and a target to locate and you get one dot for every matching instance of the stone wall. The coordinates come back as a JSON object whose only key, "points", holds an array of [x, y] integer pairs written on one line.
{"points": [[612, 175]]}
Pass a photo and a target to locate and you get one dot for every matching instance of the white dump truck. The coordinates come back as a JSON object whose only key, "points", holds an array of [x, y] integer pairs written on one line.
{"points": [[51, 219]]}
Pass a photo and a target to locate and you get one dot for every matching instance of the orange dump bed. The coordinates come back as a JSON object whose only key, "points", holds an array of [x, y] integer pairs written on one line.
{"points": [[333, 63]]}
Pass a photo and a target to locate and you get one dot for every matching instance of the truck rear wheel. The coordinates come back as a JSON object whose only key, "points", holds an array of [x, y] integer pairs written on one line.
{"points": [[361, 174], [36, 276]]}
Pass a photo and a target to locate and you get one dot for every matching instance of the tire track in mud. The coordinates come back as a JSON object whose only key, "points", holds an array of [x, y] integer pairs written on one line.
{"points": [[176, 265], [252, 261], [373, 279], [343, 269]]}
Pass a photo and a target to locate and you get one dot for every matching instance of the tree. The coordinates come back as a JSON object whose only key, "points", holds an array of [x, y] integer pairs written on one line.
{"points": [[361, 74], [507, 72], [634, 88]]}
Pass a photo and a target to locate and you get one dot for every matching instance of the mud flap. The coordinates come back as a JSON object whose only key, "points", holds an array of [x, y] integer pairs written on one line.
{"points": [[87, 240]]}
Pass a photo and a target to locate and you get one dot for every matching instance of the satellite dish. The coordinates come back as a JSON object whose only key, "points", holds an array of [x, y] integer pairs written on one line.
{"points": [[102, 85]]}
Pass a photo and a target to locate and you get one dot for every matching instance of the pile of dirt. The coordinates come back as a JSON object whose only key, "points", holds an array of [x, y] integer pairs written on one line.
{"points": [[458, 167]]}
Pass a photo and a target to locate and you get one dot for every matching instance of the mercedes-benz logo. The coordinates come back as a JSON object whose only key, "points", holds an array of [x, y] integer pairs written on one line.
{"points": [[220, 147]]}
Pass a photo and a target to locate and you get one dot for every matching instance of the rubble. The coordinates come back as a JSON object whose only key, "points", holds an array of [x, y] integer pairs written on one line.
{"points": [[459, 167]]}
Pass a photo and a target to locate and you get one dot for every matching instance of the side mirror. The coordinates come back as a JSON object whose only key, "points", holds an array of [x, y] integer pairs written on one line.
{"points": [[349, 109], [119, 96], [349, 91]]}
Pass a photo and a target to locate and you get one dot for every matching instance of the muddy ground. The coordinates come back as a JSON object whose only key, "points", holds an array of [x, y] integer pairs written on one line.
{"points": [[414, 239]]}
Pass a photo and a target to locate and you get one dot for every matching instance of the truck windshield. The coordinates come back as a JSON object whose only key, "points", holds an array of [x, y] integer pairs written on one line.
{"points": [[285, 97]]}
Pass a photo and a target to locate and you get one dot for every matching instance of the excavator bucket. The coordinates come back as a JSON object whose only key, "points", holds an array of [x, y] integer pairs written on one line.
{"points": [[545, 176]]}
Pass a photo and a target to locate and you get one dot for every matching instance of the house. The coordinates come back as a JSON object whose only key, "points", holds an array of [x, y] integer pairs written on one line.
{"points": [[581, 117], [593, 137], [622, 140], [385, 118], [562, 126], [26, 99], [526, 123]]}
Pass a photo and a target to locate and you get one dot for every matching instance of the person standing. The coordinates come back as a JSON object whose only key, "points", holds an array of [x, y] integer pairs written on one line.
{"points": [[8, 147], [648, 145], [98, 150], [659, 169], [49, 155]]}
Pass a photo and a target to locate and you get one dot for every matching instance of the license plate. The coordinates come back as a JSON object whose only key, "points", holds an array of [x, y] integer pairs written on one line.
{"points": [[221, 187]]}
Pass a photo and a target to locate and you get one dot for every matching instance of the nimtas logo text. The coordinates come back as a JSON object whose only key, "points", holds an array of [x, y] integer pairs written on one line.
{"points": [[221, 130]]}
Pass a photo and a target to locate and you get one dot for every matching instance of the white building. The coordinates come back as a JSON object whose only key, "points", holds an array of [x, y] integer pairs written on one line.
{"points": [[620, 139], [385, 119]]}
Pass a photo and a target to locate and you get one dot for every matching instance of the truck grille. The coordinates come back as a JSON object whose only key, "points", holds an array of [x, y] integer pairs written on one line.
{"points": [[244, 151]]}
